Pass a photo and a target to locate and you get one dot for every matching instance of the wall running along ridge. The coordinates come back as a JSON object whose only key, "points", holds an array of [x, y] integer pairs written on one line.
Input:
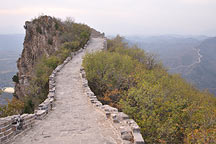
{"points": [[11, 126], [128, 128]]}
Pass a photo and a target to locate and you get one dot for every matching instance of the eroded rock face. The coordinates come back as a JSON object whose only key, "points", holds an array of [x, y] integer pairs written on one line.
{"points": [[42, 39]]}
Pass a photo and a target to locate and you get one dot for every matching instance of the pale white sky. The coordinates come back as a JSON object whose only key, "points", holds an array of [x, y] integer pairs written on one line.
{"points": [[125, 17]]}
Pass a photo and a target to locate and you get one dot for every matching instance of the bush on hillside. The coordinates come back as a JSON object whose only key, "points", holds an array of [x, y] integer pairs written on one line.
{"points": [[14, 106], [166, 107], [73, 36], [15, 78]]}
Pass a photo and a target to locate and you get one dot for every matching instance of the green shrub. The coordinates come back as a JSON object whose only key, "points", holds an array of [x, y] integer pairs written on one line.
{"points": [[14, 106], [108, 72], [72, 36], [15, 78], [28, 106], [165, 106], [52, 62], [72, 46]]}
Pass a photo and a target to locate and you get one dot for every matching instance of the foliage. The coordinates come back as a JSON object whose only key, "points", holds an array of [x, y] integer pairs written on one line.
{"points": [[109, 74], [28, 106], [15, 78], [165, 106], [73, 36], [14, 106], [72, 46]]}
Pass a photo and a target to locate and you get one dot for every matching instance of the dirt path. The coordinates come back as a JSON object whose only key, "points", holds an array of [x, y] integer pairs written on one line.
{"points": [[74, 120]]}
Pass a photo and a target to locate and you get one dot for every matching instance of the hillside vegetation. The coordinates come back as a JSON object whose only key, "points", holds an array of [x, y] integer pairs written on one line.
{"points": [[73, 36], [165, 106], [191, 56]]}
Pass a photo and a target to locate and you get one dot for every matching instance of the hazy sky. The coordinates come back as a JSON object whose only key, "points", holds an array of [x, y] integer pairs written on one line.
{"points": [[125, 17]]}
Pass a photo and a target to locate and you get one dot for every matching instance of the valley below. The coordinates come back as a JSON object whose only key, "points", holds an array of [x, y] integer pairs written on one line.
{"points": [[199, 56], [191, 57]]}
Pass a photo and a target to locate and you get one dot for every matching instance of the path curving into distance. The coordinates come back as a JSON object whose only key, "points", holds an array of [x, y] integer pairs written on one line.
{"points": [[74, 120]]}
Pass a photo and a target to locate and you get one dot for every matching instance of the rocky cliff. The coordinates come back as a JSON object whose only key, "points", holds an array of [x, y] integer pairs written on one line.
{"points": [[42, 38]]}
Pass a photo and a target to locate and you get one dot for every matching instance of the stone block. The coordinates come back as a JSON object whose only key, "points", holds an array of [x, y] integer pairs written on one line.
{"points": [[126, 134], [131, 122], [40, 114], [3, 139], [98, 104], [23, 116], [83, 75], [51, 95], [54, 72], [109, 108], [138, 138], [44, 106], [5, 122], [123, 116], [93, 101], [127, 142], [10, 135], [91, 94], [108, 114], [52, 89], [135, 128], [115, 118], [7, 132]]}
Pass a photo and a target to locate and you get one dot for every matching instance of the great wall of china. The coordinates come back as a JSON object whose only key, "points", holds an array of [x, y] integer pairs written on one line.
{"points": [[71, 114]]}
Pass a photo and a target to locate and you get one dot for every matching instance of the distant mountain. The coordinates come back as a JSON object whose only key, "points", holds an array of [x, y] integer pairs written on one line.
{"points": [[172, 50], [204, 73], [191, 56]]}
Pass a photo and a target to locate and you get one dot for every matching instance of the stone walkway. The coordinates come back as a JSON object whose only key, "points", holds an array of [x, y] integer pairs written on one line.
{"points": [[74, 120]]}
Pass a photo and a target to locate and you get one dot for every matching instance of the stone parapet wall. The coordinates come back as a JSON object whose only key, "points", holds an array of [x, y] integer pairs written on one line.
{"points": [[127, 128], [12, 125]]}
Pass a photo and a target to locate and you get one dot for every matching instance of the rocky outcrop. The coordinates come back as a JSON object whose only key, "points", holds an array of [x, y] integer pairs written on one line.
{"points": [[42, 39]]}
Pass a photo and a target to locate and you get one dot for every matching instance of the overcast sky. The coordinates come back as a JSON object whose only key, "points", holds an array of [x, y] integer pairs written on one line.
{"points": [[125, 17]]}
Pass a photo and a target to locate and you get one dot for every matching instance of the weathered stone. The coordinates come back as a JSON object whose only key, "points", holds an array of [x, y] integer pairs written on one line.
{"points": [[135, 128], [127, 142], [98, 104], [109, 108], [115, 118], [138, 138], [126, 135], [52, 89], [123, 116], [40, 114], [51, 95]]}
